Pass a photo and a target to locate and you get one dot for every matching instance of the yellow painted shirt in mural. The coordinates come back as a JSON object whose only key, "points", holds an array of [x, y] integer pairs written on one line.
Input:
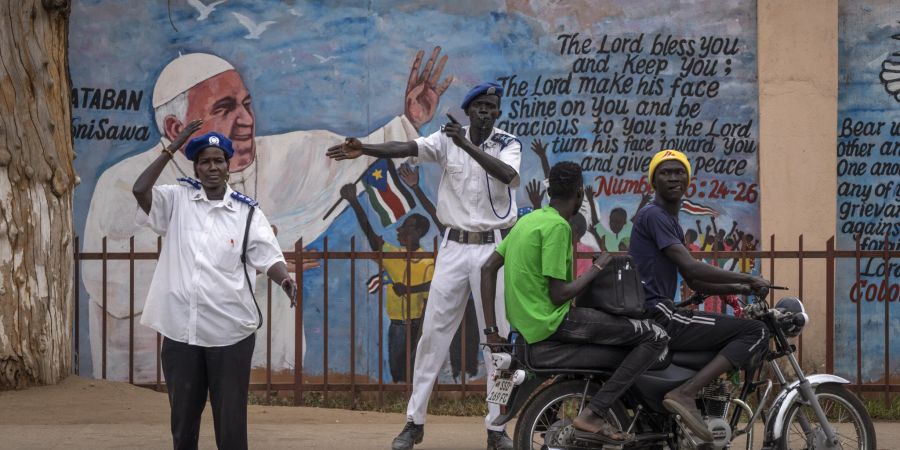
{"points": [[421, 271]]}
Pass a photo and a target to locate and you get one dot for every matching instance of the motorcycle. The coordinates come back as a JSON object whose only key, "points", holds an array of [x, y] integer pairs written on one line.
{"points": [[548, 383]]}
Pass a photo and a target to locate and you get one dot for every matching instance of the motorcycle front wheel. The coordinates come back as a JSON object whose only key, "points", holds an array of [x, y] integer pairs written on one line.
{"points": [[846, 415], [557, 404]]}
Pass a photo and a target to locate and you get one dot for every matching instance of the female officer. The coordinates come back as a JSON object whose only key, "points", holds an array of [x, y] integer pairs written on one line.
{"points": [[200, 297]]}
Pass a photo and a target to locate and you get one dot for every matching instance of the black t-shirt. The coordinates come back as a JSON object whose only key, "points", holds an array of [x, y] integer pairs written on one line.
{"points": [[655, 229]]}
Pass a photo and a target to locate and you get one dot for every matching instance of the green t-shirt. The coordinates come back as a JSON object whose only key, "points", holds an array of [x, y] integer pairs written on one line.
{"points": [[538, 247]]}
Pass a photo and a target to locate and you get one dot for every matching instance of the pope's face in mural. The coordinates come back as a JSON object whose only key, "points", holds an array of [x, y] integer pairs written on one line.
{"points": [[224, 104]]}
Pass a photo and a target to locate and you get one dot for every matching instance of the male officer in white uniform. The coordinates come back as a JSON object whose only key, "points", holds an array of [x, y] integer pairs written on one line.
{"points": [[476, 201], [295, 186]]}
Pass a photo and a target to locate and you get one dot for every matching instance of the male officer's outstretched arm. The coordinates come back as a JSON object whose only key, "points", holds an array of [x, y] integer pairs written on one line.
{"points": [[353, 148]]}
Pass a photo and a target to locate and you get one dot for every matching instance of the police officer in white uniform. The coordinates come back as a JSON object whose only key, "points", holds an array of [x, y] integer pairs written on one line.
{"points": [[476, 201], [296, 187], [200, 298]]}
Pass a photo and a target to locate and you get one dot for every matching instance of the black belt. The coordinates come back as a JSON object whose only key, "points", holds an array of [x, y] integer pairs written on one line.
{"points": [[474, 237]]}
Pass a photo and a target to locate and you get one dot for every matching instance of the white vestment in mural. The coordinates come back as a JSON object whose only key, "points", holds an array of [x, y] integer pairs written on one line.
{"points": [[295, 185]]}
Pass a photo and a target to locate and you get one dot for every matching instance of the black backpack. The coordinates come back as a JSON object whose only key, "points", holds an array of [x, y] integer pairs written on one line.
{"points": [[616, 290]]}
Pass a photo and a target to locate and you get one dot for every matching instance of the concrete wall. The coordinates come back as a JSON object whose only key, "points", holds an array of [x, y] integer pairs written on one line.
{"points": [[798, 70]]}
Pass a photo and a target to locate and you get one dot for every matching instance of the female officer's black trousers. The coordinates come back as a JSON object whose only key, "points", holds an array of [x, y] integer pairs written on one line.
{"points": [[191, 371]]}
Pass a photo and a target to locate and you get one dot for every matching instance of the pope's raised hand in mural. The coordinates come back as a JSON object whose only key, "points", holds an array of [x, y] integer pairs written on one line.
{"points": [[422, 90]]}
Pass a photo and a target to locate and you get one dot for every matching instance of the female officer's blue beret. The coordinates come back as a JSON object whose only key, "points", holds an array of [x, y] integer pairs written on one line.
{"points": [[211, 139]]}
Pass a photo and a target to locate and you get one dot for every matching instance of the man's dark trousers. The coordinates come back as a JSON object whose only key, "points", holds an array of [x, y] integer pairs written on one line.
{"points": [[224, 372]]}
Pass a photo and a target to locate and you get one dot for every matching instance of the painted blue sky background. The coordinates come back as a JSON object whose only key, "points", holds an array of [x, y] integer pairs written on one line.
{"points": [[343, 66], [865, 43]]}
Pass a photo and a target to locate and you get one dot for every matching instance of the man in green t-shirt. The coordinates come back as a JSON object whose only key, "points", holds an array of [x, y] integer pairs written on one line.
{"points": [[537, 255]]}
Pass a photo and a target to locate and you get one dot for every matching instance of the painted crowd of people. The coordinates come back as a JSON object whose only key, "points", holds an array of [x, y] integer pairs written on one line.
{"points": [[503, 270]]}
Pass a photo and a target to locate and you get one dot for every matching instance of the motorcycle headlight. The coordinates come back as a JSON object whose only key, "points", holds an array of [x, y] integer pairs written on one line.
{"points": [[795, 316]]}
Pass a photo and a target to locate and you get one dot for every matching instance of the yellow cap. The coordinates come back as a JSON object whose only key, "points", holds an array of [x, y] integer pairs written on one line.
{"points": [[666, 155]]}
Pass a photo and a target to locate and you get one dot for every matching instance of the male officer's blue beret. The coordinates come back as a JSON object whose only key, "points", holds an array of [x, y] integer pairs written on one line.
{"points": [[488, 88], [211, 139]]}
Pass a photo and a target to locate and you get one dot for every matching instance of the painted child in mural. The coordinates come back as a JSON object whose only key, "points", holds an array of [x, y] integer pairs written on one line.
{"points": [[205, 86], [400, 311], [618, 236]]}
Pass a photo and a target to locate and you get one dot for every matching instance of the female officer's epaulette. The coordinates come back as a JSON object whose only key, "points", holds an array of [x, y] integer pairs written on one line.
{"points": [[504, 139], [244, 199], [190, 181]]}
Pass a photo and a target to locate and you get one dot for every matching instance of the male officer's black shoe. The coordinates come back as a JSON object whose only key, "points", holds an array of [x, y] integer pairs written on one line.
{"points": [[499, 440], [412, 434]]}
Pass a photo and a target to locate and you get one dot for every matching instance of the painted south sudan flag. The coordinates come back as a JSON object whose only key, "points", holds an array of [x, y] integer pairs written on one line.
{"points": [[389, 197]]}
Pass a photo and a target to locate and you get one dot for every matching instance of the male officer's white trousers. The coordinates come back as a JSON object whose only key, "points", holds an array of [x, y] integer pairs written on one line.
{"points": [[457, 272]]}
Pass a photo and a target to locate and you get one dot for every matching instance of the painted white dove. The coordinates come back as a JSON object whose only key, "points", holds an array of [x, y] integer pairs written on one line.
{"points": [[253, 29], [204, 9], [322, 59]]}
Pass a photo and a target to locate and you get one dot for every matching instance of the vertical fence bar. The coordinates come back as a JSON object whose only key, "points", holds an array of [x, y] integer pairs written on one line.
{"points": [[353, 398], [105, 313], [407, 316], [158, 336], [771, 267], [269, 334], [76, 360], [887, 323], [743, 264], [800, 292], [858, 260], [298, 324], [829, 305], [381, 329], [325, 321], [131, 310]]}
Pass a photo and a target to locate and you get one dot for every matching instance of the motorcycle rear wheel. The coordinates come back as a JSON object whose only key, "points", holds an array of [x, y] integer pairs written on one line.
{"points": [[560, 401], [846, 414]]}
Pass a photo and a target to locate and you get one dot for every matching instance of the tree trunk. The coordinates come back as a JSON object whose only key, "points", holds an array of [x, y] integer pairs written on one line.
{"points": [[36, 184]]}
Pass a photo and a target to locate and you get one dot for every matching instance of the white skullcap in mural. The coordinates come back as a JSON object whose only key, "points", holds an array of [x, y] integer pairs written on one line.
{"points": [[185, 72]]}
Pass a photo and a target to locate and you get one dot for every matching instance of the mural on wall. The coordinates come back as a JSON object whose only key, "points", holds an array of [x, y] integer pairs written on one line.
{"points": [[868, 184], [604, 84]]}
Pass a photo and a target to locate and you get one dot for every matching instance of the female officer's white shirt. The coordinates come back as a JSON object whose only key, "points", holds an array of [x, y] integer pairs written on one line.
{"points": [[199, 293]]}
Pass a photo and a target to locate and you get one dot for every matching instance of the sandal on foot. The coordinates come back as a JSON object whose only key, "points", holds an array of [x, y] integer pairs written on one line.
{"points": [[606, 435]]}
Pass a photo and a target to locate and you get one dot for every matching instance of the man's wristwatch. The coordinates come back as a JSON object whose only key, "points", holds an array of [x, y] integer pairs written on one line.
{"points": [[491, 330]]}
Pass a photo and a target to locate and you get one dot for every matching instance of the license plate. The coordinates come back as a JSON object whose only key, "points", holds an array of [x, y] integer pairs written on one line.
{"points": [[501, 391]]}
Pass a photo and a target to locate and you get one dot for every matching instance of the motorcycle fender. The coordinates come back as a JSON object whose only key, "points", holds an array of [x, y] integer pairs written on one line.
{"points": [[788, 397], [518, 398]]}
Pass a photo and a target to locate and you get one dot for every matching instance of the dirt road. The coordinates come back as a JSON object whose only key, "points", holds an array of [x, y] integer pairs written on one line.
{"points": [[90, 414]]}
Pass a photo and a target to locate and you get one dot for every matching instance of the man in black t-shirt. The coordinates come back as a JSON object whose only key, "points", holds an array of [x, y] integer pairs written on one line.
{"points": [[658, 249]]}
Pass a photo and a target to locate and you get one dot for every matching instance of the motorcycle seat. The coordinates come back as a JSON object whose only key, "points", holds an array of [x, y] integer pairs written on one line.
{"points": [[562, 357]]}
